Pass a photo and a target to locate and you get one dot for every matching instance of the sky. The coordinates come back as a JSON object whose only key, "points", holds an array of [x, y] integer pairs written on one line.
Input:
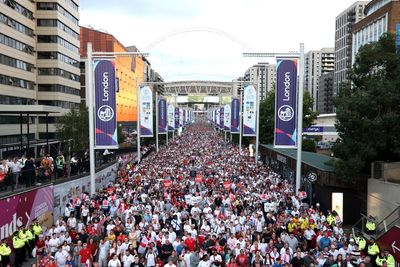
{"points": [[205, 39]]}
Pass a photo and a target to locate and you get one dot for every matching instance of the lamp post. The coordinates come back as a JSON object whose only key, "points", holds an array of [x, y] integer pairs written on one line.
{"points": [[300, 56], [89, 87]]}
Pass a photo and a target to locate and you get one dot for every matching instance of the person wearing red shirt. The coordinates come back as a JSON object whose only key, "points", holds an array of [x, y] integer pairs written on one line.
{"points": [[242, 260], [93, 247], [190, 243], [40, 248], [85, 254]]}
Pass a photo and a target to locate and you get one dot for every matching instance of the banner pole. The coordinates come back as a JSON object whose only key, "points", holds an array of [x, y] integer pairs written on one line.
{"points": [[89, 88], [156, 120], [138, 120], [257, 122], [240, 120], [300, 119]]}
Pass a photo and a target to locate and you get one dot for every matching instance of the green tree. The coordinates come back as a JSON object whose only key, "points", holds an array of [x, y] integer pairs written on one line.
{"points": [[267, 116], [309, 145], [368, 111], [75, 125]]}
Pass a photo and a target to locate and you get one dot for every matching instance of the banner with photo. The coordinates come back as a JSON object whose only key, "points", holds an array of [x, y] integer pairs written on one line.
{"points": [[146, 112], [235, 116], [171, 118], [180, 117], [227, 118], [105, 104], [162, 116], [221, 118], [249, 110], [285, 103], [176, 117]]}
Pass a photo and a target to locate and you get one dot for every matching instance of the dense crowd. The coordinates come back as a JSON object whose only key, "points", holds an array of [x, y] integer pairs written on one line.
{"points": [[200, 202]]}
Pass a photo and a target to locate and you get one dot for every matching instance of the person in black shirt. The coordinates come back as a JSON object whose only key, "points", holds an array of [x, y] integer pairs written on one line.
{"points": [[136, 262], [297, 261], [166, 251]]}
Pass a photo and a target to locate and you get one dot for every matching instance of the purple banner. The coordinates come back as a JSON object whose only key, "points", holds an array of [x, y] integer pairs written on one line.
{"points": [[184, 116], [221, 118], [162, 116], [176, 118], [286, 103], [235, 109], [105, 104]]}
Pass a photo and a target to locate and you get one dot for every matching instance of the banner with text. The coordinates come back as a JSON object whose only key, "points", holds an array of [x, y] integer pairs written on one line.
{"points": [[235, 116], [105, 104], [180, 117], [162, 116], [146, 112], [285, 103], [171, 118], [217, 117], [227, 118], [249, 111], [221, 118], [176, 118]]}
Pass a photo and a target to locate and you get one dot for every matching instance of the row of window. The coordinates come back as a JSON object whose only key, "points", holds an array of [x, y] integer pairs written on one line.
{"points": [[55, 6], [58, 56], [16, 120], [15, 25], [13, 81], [58, 88], [42, 120], [17, 7], [58, 72], [11, 42], [73, 4], [59, 40], [16, 63], [9, 139], [12, 100], [59, 103], [58, 24]]}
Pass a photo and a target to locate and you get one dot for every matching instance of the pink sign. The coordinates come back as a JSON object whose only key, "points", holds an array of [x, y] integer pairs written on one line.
{"points": [[23, 208]]}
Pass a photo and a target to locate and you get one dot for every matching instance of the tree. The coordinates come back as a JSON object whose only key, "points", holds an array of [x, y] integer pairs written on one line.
{"points": [[75, 125], [368, 111], [267, 116]]}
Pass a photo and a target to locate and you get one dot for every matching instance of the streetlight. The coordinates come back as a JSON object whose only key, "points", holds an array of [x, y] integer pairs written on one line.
{"points": [[300, 56], [89, 86]]}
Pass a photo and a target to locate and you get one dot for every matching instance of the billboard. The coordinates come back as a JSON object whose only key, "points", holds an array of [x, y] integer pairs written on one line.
{"points": [[146, 112], [171, 118], [162, 116], [176, 118], [221, 118], [180, 117], [105, 104], [227, 118], [285, 103], [249, 111], [217, 118], [235, 116], [21, 209]]}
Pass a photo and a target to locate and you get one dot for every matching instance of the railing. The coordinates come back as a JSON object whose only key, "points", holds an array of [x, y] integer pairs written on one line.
{"points": [[380, 227]]}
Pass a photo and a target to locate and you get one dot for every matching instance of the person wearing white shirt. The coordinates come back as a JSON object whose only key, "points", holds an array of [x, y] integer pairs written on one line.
{"points": [[150, 258], [61, 257], [205, 262], [53, 244], [114, 262], [72, 222], [104, 248], [215, 259], [127, 259]]}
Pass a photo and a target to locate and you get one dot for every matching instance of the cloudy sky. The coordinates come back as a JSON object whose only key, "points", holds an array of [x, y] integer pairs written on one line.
{"points": [[205, 39]]}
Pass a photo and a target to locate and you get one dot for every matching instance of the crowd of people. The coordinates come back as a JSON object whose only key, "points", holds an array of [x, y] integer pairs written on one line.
{"points": [[203, 202]]}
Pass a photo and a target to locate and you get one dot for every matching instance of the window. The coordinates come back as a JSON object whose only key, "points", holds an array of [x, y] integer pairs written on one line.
{"points": [[59, 40], [15, 25], [13, 81], [55, 6], [59, 24], [8, 41], [73, 4], [58, 72], [58, 88], [58, 56], [16, 63], [18, 8], [12, 100], [59, 103]]}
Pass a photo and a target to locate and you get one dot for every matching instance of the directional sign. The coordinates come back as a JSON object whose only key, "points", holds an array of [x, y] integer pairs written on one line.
{"points": [[391, 241]]}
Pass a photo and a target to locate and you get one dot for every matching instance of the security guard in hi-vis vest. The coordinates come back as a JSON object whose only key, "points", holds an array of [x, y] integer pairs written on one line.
{"points": [[18, 245], [5, 252]]}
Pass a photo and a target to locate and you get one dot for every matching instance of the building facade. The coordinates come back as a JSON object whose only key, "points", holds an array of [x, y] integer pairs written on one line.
{"points": [[264, 76], [325, 93], [317, 63], [39, 61], [343, 41], [381, 16]]}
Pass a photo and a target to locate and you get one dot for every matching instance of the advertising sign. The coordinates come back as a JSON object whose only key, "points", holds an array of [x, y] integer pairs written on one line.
{"points": [[235, 119], [146, 112], [21, 209], [227, 118], [171, 118], [162, 116], [221, 118], [249, 111], [285, 103], [180, 117], [217, 118], [105, 104], [176, 118]]}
